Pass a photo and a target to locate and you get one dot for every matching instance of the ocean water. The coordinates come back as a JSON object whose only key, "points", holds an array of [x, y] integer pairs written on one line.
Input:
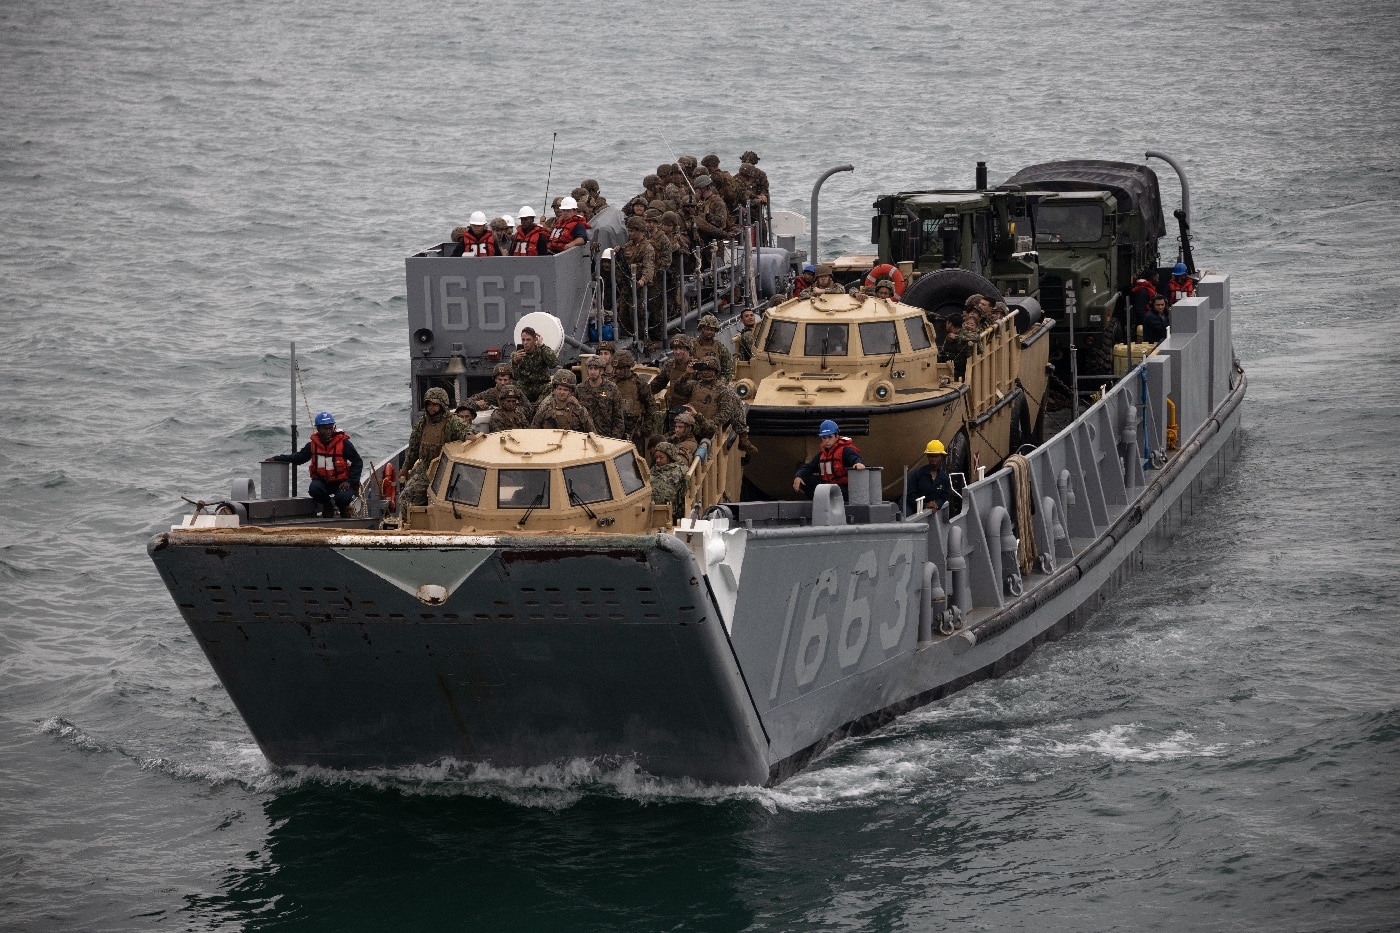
{"points": [[187, 188]]}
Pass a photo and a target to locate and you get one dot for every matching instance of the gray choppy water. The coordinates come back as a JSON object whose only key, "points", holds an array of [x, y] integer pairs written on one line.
{"points": [[188, 188]]}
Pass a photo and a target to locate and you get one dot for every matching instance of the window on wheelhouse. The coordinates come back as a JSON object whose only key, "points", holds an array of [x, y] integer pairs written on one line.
{"points": [[918, 333], [1068, 223], [629, 472], [587, 482], [464, 484], [879, 338], [827, 340], [779, 337], [523, 489]]}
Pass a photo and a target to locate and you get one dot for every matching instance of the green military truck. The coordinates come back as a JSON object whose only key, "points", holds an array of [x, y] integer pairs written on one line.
{"points": [[1061, 239]]}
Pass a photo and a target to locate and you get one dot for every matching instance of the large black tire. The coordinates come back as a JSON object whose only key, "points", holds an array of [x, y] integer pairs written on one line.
{"points": [[1020, 424], [942, 292]]}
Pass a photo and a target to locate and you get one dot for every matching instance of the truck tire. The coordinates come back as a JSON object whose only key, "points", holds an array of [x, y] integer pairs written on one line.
{"points": [[942, 292]]}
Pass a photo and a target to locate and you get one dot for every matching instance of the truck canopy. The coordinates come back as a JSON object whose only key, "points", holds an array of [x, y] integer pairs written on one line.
{"points": [[1133, 185]]}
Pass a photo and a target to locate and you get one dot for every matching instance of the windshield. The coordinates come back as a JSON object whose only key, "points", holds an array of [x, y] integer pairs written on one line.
{"points": [[780, 334], [524, 489], [879, 338], [629, 473], [826, 340], [587, 482], [465, 484], [1068, 223], [918, 335]]}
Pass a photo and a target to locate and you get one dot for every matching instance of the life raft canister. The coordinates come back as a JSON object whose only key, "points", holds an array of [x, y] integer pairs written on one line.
{"points": [[890, 272]]}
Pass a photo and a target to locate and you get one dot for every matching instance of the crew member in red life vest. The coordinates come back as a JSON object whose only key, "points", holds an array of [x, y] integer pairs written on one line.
{"points": [[530, 237], [1181, 285], [569, 228], [335, 467], [1140, 300], [803, 281], [837, 457], [478, 240]]}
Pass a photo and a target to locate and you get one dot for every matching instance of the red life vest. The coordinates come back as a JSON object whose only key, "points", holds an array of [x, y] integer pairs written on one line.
{"points": [[328, 462], [530, 242], [479, 244], [1182, 287], [832, 463], [565, 232]]}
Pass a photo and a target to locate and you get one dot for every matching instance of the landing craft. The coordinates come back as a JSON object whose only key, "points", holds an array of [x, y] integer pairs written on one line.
{"points": [[539, 609]]}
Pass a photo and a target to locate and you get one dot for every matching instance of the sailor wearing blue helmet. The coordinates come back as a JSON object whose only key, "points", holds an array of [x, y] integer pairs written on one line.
{"points": [[836, 457], [335, 467]]}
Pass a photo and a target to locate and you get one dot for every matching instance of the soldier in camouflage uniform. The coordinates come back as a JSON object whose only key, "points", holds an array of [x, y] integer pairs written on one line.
{"points": [[599, 396], [709, 215], [639, 269], [679, 368], [744, 342], [510, 411], [637, 402], [718, 403], [824, 284], [683, 435], [724, 182], [435, 428], [669, 483], [596, 202], [532, 364], [562, 409], [759, 183], [957, 346], [491, 398], [707, 345]]}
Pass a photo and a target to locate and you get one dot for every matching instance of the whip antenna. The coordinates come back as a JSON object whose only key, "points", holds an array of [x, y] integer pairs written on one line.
{"points": [[550, 173], [677, 159]]}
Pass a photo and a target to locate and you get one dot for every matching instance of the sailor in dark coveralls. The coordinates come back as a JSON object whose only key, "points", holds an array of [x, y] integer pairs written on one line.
{"points": [[930, 481]]}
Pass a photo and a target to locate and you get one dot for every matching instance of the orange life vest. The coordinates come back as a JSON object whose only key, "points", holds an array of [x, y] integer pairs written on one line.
{"points": [[530, 242], [479, 244], [832, 463], [328, 462]]}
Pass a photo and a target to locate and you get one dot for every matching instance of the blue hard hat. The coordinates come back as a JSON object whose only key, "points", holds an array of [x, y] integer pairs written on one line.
{"points": [[324, 417], [809, 268], [828, 428], [1179, 269]]}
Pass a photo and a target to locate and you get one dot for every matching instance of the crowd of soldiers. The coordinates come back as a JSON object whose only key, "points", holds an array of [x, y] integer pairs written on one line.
{"points": [[682, 210]]}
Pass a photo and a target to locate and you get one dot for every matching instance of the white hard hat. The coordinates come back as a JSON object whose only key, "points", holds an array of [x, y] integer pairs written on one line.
{"points": [[510, 221], [526, 211], [568, 204], [477, 217]]}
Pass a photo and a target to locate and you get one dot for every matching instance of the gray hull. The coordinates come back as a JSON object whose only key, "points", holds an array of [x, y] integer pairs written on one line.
{"points": [[731, 651]]}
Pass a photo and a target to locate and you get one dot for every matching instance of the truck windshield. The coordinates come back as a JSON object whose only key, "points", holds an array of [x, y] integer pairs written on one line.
{"points": [[1068, 223]]}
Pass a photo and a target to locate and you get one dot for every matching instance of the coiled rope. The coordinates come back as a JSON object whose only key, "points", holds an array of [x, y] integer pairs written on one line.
{"points": [[1026, 552]]}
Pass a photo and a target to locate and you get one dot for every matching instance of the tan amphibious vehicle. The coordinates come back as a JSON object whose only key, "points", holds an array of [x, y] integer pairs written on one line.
{"points": [[871, 365]]}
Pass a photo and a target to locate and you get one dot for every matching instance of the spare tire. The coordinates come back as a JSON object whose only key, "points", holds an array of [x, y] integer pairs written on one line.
{"points": [[942, 292]]}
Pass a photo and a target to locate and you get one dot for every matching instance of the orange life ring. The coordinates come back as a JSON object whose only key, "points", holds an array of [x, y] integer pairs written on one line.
{"points": [[887, 271], [388, 488]]}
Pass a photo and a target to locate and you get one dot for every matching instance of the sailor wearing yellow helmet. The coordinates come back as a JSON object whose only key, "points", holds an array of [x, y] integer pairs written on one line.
{"points": [[930, 480]]}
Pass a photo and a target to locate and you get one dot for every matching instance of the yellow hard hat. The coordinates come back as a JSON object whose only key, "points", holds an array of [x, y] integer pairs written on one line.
{"points": [[935, 446]]}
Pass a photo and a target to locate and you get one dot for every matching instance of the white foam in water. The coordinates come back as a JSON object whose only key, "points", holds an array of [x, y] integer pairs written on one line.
{"points": [[1118, 743]]}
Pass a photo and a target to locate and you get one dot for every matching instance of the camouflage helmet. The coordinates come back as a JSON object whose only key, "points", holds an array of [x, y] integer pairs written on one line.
{"points": [[710, 161], [653, 215], [973, 301], [606, 345], [671, 217], [437, 394], [701, 170], [687, 163], [562, 377], [502, 369], [885, 283], [590, 185], [670, 450], [594, 362], [656, 204], [636, 223], [499, 223], [580, 194], [681, 340], [709, 320], [748, 169], [702, 181], [622, 359], [750, 157], [710, 362], [825, 269], [685, 417], [510, 392], [651, 181], [664, 169]]}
